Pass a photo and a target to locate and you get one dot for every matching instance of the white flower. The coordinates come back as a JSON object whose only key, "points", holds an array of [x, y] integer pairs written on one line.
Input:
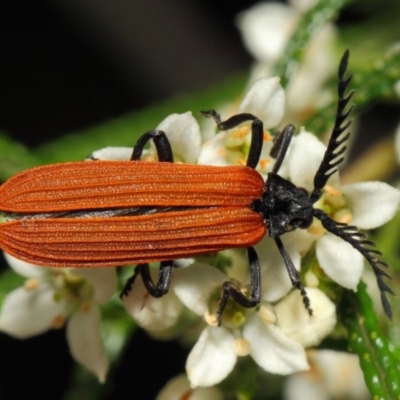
{"points": [[266, 28], [274, 336], [52, 298], [333, 375], [179, 388], [265, 100], [150, 313], [367, 205], [183, 133]]}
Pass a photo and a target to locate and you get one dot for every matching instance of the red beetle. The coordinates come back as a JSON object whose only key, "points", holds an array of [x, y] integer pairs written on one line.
{"points": [[108, 213]]}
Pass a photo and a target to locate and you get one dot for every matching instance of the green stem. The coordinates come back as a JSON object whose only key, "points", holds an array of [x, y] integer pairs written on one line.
{"points": [[375, 84], [311, 22], [377, 360]]}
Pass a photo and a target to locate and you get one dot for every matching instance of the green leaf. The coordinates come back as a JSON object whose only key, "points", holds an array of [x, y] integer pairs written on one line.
{"points": [[117, 327], [388, 238], [374, 84], [9, 281], [379, 81], [14, 157], [311, 22], [369, 38], [379, 363]]}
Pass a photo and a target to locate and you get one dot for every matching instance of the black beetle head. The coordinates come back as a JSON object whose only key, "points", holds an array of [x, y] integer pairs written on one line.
{"points": [[285, 206]]}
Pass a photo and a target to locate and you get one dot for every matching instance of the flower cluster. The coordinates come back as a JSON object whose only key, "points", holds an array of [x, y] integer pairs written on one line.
{"points": [[277, 333], [51, 298], [266, 28]]}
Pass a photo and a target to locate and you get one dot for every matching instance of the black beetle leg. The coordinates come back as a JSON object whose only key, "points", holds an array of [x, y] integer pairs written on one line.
{"points": [[293, 274], [257, 132], [231, 290], [281, 146], [163, 283], [163, 146]]}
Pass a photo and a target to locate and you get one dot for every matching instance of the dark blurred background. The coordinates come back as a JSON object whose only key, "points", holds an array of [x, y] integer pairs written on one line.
{"points": [[70, 64]]}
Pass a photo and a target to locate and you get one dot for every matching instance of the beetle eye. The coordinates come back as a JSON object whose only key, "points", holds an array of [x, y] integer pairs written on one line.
{"points": [[306, 223]]}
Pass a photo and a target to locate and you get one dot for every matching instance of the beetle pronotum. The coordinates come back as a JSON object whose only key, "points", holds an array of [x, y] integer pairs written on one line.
{"points": [[108, 213]]}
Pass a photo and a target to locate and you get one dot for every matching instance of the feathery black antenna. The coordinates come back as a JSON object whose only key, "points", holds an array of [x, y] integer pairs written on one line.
{"points": [[359, 241], [331, 161]]}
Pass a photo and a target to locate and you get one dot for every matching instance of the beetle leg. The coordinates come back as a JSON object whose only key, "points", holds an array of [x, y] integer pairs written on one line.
{"points": [[129, 283], [163, 146], [257, 132], [293, 274], [281, 146], [163, 282], [230, 289]]}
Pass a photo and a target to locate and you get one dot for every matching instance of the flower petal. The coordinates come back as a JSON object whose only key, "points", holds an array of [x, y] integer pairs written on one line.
{"points": [[213, 152], [340, 261], [272, 350], [26, 269], [339, 376], [179, 388], [297, 324], [265, 29], [306, 384], [27, 313], [85, 344], [112, 153], [373, 203], [306, 154], [212, 357], [149, 312], [303, 5], [193, 285], [183, 133], [275, 279], [104, 281], [266, 100], [305, 90]]}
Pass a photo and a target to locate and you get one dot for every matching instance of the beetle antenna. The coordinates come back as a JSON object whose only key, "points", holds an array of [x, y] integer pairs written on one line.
{"points": [[330, 162], [359, 241]]}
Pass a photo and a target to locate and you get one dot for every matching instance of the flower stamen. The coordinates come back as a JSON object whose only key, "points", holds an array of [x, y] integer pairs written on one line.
{"points": [[241, 347], [31, 284], [58, 322], [267, 315]]}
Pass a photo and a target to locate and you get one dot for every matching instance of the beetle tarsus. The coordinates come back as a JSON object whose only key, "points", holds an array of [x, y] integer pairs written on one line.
{"points": [[306, 299], [157, 290], [129, 284], [212, 114], [231, 290]]}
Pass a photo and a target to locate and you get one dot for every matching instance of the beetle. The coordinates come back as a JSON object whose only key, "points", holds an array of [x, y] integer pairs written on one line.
{"points": [[116, 213]]}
